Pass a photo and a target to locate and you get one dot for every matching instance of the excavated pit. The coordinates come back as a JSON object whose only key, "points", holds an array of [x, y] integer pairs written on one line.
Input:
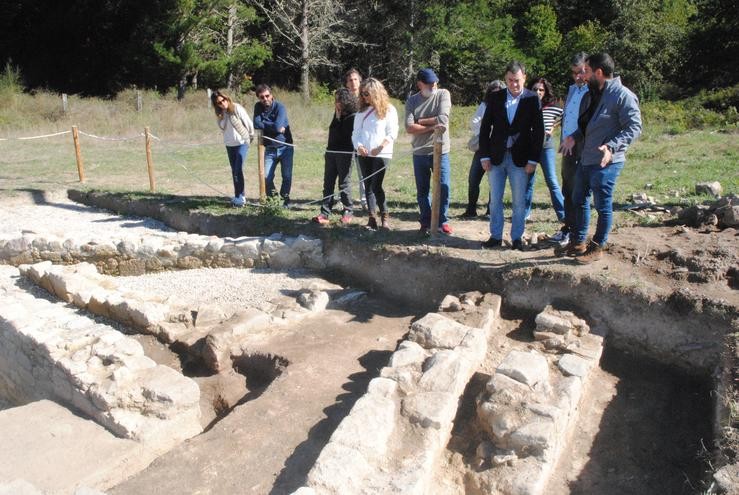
{"points": [[645, 425]]}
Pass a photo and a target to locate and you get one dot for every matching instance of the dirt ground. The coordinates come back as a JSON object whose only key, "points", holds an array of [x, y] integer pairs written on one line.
{"points": [[640, 431]]}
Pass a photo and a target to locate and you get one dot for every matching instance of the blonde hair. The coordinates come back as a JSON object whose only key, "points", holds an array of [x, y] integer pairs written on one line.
{"points": [[378, 97], [218, 110]]}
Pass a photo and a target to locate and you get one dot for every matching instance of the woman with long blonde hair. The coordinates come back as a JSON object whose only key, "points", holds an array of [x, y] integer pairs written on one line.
{"points": [[375, 131], [238, 131]]}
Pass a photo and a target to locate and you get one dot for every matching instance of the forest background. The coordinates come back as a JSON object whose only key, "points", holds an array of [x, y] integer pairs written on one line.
{"points": [[664, 49]]}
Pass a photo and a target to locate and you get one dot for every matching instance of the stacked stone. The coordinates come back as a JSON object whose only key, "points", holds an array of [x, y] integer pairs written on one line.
{"points": [[135, 255], [224, 336], [395, 434], [530, 405], [50, 351]]}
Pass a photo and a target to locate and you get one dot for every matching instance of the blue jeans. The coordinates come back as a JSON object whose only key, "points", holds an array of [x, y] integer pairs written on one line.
{"points": [[549, 167], [236, 158], [284, 156], [518, 179], [602, 182], [423, 167]]}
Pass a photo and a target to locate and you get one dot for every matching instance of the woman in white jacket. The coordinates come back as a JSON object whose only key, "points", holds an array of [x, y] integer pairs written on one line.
{"points": [[238, 131], [375, 131]]}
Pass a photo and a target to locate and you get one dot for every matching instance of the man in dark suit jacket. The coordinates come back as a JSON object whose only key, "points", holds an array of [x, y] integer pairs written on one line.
{"points": [[511, 138]]}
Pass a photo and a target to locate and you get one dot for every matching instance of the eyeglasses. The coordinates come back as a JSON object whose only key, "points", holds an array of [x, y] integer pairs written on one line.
{"points": [[364, 93]]}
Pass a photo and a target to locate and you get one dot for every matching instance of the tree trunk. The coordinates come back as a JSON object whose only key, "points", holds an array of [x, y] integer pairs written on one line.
{"points": [[181, 87], [305, 68], [230, 43]]}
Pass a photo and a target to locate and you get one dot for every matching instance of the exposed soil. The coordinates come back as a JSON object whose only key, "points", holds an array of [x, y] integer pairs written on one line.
{"points": [[640, 431]]}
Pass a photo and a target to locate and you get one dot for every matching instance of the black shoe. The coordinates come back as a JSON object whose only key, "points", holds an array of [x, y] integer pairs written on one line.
{"points": [[468, 214], [491, 243], [517, 245]]}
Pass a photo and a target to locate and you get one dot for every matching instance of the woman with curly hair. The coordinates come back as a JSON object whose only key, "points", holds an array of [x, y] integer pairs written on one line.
{"points": [[375, 131], [238, 131], [552, 115], [338, 157]]}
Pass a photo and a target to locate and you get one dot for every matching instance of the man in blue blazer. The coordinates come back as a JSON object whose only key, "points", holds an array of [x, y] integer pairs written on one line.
{"points": [[511, 138]]}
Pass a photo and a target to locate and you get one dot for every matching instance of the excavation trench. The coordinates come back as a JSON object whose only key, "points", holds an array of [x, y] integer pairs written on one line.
{"points": [[646, 426]]}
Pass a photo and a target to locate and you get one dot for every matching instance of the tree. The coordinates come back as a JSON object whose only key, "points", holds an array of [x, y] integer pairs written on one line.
{"points": [[647, 41], [542, 38], [469, 43], [713, 45], [229, 53], [316, 25]]}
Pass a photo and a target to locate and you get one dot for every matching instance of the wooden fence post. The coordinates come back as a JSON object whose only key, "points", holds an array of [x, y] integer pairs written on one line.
{"points": [[210, 102], [149, 161], [260, 160], [436, 182], [78, 154], [139, 101], [64, 102]]}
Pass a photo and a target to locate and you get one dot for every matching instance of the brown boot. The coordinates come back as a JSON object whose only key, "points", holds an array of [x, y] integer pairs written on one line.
{"points": [[570, 249], [593, 253], [384, 221], [372, 222]]}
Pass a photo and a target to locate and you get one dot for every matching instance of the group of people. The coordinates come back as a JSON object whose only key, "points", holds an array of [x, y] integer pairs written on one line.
{"points": [[512, 134]]}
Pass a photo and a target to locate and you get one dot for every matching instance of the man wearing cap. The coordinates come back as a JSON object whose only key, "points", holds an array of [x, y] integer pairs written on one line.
{"points": [[425, 112]]}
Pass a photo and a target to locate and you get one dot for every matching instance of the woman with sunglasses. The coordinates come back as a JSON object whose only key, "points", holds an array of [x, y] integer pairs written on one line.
{"points": [[375, 131], [238, 131], [552, 115]]}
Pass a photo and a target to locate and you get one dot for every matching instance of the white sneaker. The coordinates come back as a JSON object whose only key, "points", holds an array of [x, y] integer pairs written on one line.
{"points": [[238, 201], [561, 238]]}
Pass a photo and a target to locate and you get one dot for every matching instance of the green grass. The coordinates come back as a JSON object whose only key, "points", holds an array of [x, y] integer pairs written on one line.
{"points": [[189, 159]]}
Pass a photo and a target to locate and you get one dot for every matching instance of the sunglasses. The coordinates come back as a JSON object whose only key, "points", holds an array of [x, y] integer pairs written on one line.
{"points": [[364, 93]]}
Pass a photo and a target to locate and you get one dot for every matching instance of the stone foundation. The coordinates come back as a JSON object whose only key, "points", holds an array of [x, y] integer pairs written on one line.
{"points": [[48, 351], [395, 434]]}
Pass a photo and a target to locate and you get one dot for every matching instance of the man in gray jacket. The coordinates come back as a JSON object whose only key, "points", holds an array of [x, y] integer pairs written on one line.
{"points": [[610, 124]]}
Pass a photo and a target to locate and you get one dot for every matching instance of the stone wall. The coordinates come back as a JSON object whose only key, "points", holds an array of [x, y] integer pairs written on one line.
{"points": [[135, 255], [393, 437], [50, 351]]}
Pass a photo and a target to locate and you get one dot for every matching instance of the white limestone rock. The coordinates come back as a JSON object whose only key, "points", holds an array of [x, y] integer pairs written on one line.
{"points": [[446, 371], [529, 368], [435, 330], [430, 409], [408, 353], [572, 365]]}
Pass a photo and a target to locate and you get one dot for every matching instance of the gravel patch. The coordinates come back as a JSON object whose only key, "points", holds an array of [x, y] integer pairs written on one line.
{"points": [[227, 287], [55, 214]]}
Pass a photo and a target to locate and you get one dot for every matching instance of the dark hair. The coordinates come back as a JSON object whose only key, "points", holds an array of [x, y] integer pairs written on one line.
{"points": [[548, 98], [493, 87], [262, 88], [349, 102], [601, 61], [578, 59], [514, 67], [350, 72]]}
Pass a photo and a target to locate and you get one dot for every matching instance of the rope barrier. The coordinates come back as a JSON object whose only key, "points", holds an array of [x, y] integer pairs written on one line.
{"points": [[221, 193], [106, 138], [35, 137]]}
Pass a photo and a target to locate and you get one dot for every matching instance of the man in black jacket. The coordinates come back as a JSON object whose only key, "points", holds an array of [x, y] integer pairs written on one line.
{"points": [[511, 138]]}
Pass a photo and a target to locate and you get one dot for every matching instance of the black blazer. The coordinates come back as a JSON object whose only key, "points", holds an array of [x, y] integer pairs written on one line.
{"points": [[527, 123]]}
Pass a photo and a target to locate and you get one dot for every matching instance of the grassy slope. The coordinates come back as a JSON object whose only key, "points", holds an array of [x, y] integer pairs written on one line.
{"points": [[189, 158]]}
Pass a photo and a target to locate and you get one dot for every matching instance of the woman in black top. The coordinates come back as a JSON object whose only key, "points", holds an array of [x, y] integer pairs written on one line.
{"points": [[338, 157]]}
